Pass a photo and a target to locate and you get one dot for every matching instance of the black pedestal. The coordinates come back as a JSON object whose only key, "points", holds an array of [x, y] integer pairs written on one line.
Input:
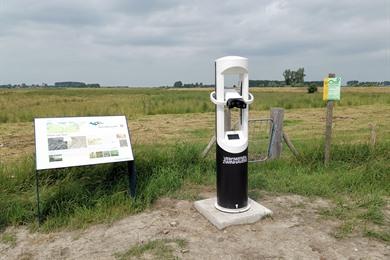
{"points": [[232, 179]]}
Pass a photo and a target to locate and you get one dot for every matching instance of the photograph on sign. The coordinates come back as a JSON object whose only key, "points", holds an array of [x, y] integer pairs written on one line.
{"points": [[75, 141]]}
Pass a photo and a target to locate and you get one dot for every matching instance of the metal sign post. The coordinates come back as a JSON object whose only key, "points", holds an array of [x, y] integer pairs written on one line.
{"points": [[38, 201], [132, 178]]}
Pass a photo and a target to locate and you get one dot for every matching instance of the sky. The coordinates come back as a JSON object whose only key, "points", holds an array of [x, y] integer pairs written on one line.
{"points": [[158, 42]]}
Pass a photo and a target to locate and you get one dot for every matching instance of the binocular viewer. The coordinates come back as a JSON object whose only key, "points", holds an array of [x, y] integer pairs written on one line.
{"points": [[232, 145], [230, 103]]}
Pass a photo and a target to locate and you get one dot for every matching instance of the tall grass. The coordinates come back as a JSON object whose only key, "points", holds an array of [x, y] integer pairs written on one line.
{"points": [[355, 170], [77, 197], [24, 105], [74, 197], [357, 181]]}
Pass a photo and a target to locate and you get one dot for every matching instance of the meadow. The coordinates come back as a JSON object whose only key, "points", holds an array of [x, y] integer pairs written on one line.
{"points": [[169, 128], [25, 104]]}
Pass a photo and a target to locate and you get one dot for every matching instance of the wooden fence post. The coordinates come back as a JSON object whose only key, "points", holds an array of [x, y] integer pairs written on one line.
{"points": [[290, 145], [277, 115], [208, 147], [328, 127]]}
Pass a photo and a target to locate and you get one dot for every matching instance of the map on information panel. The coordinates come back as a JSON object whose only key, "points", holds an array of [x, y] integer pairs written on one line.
{"points": [[75, 141]]}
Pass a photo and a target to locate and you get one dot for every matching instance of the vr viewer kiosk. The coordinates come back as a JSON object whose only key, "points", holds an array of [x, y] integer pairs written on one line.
{"points": [[232, 145]]}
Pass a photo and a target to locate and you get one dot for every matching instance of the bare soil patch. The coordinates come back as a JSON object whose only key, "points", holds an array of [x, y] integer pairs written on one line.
{"points": [[296, 231]]}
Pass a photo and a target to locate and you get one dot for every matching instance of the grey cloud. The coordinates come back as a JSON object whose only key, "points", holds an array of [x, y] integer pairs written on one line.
{"points": [[52, 12], [142, 7], [74, 38]]}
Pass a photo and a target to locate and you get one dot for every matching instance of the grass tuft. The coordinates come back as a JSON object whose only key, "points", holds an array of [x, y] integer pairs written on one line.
{"points": [[8, 238], [155, 249], [380, 235]]}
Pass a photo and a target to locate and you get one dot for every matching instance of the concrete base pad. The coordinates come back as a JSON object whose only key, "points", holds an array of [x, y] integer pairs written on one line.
{"points": [[221, 219]]}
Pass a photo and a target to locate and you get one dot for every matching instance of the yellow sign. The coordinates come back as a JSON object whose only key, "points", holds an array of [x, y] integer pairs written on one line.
{"points": [[331, 89], [325, 90]]}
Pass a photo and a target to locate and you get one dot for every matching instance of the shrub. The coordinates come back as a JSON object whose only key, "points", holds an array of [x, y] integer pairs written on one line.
{"points": [[312, 89]]}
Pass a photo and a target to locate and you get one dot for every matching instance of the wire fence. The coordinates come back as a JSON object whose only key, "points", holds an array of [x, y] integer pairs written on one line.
{"points": [[259, 139]]}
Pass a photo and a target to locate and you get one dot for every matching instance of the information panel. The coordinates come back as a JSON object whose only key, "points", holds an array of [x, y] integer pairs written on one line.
{"points": [[332, 87], [75, 141]]}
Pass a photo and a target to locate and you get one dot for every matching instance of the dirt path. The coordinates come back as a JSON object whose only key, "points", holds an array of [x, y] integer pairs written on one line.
{"points": [[296, 231]]}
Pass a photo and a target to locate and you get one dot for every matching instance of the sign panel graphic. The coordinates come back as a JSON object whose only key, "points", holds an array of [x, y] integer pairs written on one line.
{"points": [[75, 141], [332, 87]]}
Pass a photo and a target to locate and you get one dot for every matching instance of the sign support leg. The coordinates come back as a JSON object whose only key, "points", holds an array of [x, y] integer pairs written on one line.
{"points": [[328, 131], [329, 119], [132, 178], [37, 193]]}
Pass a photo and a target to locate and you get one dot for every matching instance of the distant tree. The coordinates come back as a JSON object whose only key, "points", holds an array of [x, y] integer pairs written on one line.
{"points": [[266, 83], [294, 77], [178, 84], [70, 84], [287, 77], [299, 76], [93, 85], [352, 83]]}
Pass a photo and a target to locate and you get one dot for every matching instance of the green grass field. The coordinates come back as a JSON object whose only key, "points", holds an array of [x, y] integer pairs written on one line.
{"points": [[168, 161], [24, 105]]}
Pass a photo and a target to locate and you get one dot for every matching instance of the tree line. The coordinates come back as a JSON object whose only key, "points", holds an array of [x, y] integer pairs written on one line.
{"points": [[356, 83], [292, 78], [66, 84]]}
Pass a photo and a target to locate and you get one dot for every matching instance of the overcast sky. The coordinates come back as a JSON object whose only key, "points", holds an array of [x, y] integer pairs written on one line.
{"points": [[156, 42]]}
